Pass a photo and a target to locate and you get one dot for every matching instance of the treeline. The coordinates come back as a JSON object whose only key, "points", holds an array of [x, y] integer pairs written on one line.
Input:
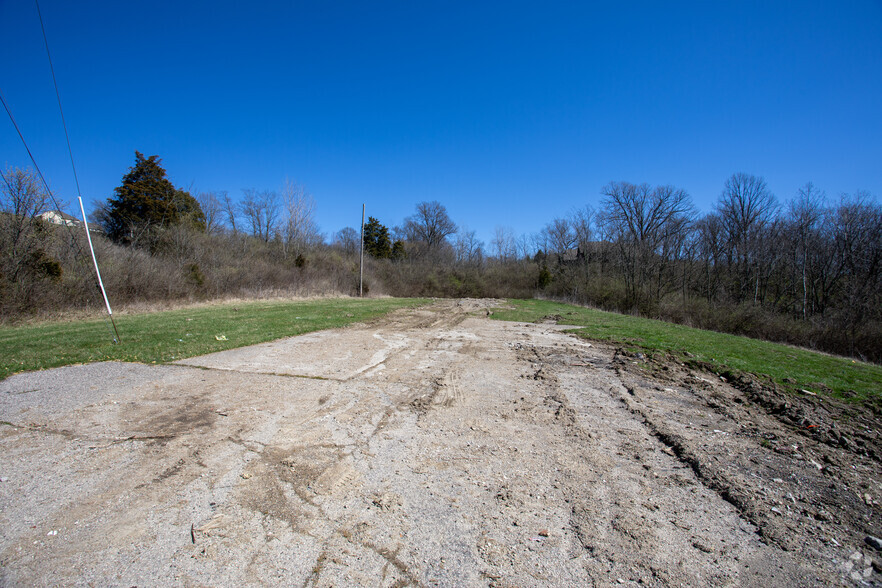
{"points": [[807, 271]]}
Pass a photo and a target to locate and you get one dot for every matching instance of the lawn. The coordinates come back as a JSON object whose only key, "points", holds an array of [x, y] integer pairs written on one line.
{"points": [[159, 337], [792, 368]]}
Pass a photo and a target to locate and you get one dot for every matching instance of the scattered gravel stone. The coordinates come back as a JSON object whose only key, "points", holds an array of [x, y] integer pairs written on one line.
{"points": [[873, 542]]}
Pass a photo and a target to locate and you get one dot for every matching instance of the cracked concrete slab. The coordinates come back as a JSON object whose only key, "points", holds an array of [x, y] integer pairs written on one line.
{"points": [[430, 447]]}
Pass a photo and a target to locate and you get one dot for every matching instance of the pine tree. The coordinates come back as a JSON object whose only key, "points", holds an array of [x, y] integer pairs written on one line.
{"points": [[398, 250], [376, 239], [147, 201]]}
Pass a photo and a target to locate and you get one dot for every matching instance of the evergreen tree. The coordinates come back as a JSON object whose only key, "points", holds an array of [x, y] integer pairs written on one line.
{"points": [[398, 250], [147, 201], [376, 239]]}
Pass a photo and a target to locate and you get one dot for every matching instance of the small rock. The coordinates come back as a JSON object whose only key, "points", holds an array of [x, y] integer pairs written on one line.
{"points": [[873, 542], [543, 532]]}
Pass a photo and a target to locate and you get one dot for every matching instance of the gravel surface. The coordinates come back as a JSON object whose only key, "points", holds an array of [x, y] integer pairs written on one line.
{"points": [[430, 447]]}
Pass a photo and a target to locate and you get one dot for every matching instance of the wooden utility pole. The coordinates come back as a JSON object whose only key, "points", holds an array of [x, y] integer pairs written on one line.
{"points": [[361, 265]]}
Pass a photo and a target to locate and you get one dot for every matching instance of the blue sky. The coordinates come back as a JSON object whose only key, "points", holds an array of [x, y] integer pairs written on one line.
{"points": [[508, 113]]}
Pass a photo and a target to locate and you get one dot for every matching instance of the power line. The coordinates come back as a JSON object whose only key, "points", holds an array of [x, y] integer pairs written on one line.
{"points": [[76, 179], [58, 97], [80, 255], [74, 243], [28, 149]]}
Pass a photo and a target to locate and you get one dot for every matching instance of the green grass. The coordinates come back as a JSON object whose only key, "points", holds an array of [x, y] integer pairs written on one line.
{"points": [[790, 367], [159, 337]]}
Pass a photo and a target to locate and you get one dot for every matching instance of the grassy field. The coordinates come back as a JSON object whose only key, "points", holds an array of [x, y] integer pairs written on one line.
{"points": [[166, 336], [790, 367]]}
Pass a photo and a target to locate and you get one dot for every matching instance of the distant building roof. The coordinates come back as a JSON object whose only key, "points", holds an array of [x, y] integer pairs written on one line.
{"points": [[60, 218]]}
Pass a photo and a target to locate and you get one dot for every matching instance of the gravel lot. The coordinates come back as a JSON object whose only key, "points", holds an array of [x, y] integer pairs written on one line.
{"points": [[430, 447]]}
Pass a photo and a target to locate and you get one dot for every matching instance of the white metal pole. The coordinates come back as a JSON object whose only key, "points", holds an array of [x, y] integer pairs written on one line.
{"points": [[97, 271]]}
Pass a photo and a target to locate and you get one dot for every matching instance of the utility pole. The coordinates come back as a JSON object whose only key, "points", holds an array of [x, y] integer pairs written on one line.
{"points": [[361, 265]]}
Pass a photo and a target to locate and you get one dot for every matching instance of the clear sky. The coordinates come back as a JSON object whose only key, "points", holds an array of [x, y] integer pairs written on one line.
{"points": [[508, 113]]}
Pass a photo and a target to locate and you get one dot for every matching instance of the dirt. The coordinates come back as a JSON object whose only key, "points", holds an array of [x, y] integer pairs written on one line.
{"points": [[432, 447]]}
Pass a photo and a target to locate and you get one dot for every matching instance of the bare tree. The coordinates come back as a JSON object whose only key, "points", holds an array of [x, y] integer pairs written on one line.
{"points": [[746, 208], [300, 229], [21, 194], [347, 239], [524, 247], [212, 204], [644, 222], [581, 221], [23, 237], [858, 229], [805, 214], [467, 248], [710, 246], [503, 244], [261, 211], [539, 244], [560, 237], [430, 225], [231, 211]]}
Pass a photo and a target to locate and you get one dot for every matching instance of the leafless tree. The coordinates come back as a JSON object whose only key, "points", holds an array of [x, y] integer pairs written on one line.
{"points": [[231, 211], [746, 208], [300, 229], [23, 237], [261, 211], [805, 215], [581, 220], [467, 248], [212, 204], [559, 237], [710, 247], [503, 244], [430, 226], [21, 194], [347, 239], [857, 222], [539, 245], [643, 221]]}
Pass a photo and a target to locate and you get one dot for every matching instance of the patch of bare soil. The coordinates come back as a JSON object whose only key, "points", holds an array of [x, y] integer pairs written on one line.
{"points": [[431, 447], [804, 469]]}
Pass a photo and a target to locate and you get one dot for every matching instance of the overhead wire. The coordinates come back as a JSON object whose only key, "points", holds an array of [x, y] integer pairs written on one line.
{"points": [[74, 168], [58, 97], [73, 240], [114, 333]]}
